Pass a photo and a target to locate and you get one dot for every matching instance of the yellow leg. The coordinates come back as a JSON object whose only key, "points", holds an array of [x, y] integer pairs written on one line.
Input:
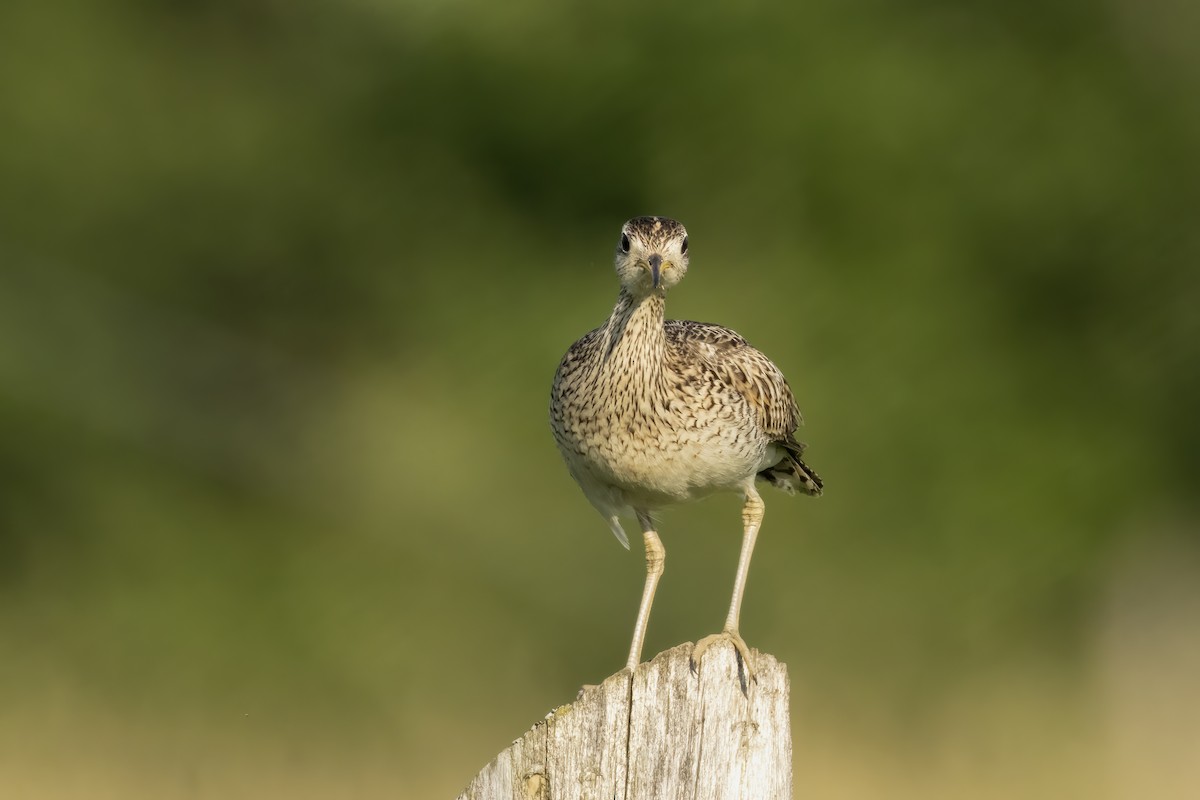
{"points": [[752, 515], [656, 556]]}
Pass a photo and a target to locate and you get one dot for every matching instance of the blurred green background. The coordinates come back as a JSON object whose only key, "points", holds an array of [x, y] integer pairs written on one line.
{"points": [[283, 286]]}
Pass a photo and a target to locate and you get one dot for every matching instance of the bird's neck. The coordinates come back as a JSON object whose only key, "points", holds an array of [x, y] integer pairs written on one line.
{"points": [[634, 333]]}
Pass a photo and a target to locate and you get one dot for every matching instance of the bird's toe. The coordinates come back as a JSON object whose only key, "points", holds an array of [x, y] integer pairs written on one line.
{"points": [[744, 657]]}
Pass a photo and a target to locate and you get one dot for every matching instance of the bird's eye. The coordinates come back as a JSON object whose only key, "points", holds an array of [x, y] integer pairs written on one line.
{"points": [[625, 243], [683, 249]]}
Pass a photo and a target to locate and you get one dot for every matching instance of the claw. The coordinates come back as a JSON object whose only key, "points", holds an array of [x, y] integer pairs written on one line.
{"points": [[745, 660]]}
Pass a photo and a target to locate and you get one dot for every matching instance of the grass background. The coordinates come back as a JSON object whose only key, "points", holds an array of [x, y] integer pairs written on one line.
{"points": [[282, 289]]}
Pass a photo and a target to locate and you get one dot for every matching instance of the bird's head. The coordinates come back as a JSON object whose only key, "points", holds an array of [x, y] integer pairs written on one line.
{"points": [[652, 255]]}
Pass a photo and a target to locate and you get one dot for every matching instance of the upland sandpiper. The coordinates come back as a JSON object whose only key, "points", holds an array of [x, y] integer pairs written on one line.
{"points": [[648, 413]]}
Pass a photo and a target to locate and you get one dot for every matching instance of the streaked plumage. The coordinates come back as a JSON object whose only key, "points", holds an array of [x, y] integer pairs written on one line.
{"points": [[649, 412]]}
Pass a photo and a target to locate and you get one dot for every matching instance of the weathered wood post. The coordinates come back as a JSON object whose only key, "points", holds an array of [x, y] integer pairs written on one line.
{"points": [[667, 735]]}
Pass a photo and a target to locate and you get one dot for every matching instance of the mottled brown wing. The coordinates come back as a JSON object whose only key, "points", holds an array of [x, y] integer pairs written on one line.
{"points": [[738, 364], [565, 384]]}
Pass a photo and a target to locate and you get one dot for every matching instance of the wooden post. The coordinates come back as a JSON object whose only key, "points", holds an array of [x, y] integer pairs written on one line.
{"points": [[668, 734]]}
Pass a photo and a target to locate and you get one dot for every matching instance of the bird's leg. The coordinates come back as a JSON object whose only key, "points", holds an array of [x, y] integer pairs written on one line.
{"points": [[752, 514], [656, 556]]}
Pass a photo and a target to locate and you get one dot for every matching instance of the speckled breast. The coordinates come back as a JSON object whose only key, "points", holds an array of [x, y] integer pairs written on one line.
{"points": [[654, 449]]}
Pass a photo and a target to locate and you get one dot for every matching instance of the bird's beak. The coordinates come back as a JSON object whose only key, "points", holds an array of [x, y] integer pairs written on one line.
{"points": [[655, 262]]}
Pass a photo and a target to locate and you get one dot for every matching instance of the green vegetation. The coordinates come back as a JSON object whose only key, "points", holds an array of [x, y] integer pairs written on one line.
{"points": [[282, 289]]}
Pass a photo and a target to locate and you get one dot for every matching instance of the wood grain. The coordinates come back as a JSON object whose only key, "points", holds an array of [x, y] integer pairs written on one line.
{"points": [[662, 733]]}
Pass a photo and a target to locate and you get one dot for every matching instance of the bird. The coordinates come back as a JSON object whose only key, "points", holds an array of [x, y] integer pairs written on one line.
{"points": [[649, 412]]}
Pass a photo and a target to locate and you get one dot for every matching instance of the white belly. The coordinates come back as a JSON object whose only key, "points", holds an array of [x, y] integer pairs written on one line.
{"points": [[656, 471]]}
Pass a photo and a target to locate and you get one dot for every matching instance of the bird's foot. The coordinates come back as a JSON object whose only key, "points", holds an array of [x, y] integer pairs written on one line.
{"points": [[745, 660]]}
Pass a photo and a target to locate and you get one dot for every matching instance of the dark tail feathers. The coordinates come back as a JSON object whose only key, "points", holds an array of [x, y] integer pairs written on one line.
{"points": [[792, 474]]}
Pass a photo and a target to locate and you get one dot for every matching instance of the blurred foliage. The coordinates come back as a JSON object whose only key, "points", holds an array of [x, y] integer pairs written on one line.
{"points": [[282, 288]]}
